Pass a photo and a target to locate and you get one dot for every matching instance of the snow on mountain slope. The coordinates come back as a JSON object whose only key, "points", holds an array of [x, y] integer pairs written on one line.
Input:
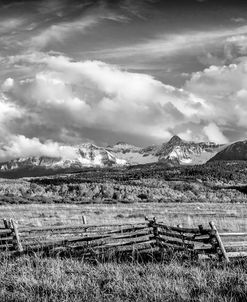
{"points": [[85, 155], [175, 150], [187, 152], [131, 154]]}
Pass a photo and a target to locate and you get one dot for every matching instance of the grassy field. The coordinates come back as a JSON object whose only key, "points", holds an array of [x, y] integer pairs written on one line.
{"points": [[35, 203], [36, 279], [227, 216]]}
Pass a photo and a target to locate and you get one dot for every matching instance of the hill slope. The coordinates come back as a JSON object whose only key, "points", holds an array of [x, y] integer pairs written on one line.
{"points": [[235, 151]]}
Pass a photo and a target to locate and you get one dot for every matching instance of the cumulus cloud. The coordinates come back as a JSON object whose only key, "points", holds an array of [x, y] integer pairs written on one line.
{"points": [[8, 111], [20, 146], [48, 99], [223, 89], [214, 134], [7, 84], [65, 96], [98, 95]]}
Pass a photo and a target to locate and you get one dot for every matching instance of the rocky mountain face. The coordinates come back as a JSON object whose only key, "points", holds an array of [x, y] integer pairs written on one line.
{"points": [[235, 151], [85, 155], [133, 155], [185, 152], [174, 152]]}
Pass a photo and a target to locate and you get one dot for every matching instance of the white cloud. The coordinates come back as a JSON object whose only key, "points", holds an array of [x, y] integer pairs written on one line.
{"points": [[21, 146], [58, 32], [222, 88], [7, 84], [169, 44], [95, 94], [8, 110], [9, 24], [63, 30], [64, 95], [238, 19], [214, 134]]}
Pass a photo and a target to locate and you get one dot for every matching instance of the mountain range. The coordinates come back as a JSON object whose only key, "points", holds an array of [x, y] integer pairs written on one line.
{"points": [[174, 152]]}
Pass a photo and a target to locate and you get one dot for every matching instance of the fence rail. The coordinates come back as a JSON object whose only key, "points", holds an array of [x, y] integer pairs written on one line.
{"points": [[148, 236]]}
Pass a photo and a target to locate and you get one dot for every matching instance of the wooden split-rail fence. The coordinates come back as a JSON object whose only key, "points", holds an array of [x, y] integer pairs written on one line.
{"points": [[149, 236]]}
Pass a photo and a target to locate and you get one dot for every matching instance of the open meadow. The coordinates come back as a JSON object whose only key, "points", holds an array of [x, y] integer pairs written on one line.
{"points": [[37, 278], [117, 197], [227, 216]]}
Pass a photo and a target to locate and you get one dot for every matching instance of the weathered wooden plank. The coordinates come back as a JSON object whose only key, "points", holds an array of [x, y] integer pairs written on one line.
{"points": [[220, 243], [94, 241], [83, 233], [195, 238], [89, 234], [109, 240], [233, 234], [184, 230], [6, 239], [130, 235], [52, 245], [5, 232], [236, 254], [120, 244], [204, 248], [85, 226], [177, 242], [65, 241], [236, 243], [236, 248], [88, 250], [173, 246]]}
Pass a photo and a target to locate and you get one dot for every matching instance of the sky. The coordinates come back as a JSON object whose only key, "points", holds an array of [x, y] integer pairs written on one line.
{"points": [[105, 71]]}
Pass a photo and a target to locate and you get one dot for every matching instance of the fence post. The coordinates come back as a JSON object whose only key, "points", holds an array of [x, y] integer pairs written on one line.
{"points": [[155, 230], [84, 220], [16, 235], [152, 224], [6, 224], [219, 241]]}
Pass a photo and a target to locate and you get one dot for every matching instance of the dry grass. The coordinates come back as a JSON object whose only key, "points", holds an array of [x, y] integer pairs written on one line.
{"points": [[32, 278], [37, 279], [227, 216]]}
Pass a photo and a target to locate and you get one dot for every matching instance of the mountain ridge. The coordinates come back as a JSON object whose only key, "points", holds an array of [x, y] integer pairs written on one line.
{"points": [[174, 152], [233, 152]]}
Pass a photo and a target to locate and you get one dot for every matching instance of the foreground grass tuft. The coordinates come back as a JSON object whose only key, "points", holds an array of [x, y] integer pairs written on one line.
{"points": [[30, 278]]}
